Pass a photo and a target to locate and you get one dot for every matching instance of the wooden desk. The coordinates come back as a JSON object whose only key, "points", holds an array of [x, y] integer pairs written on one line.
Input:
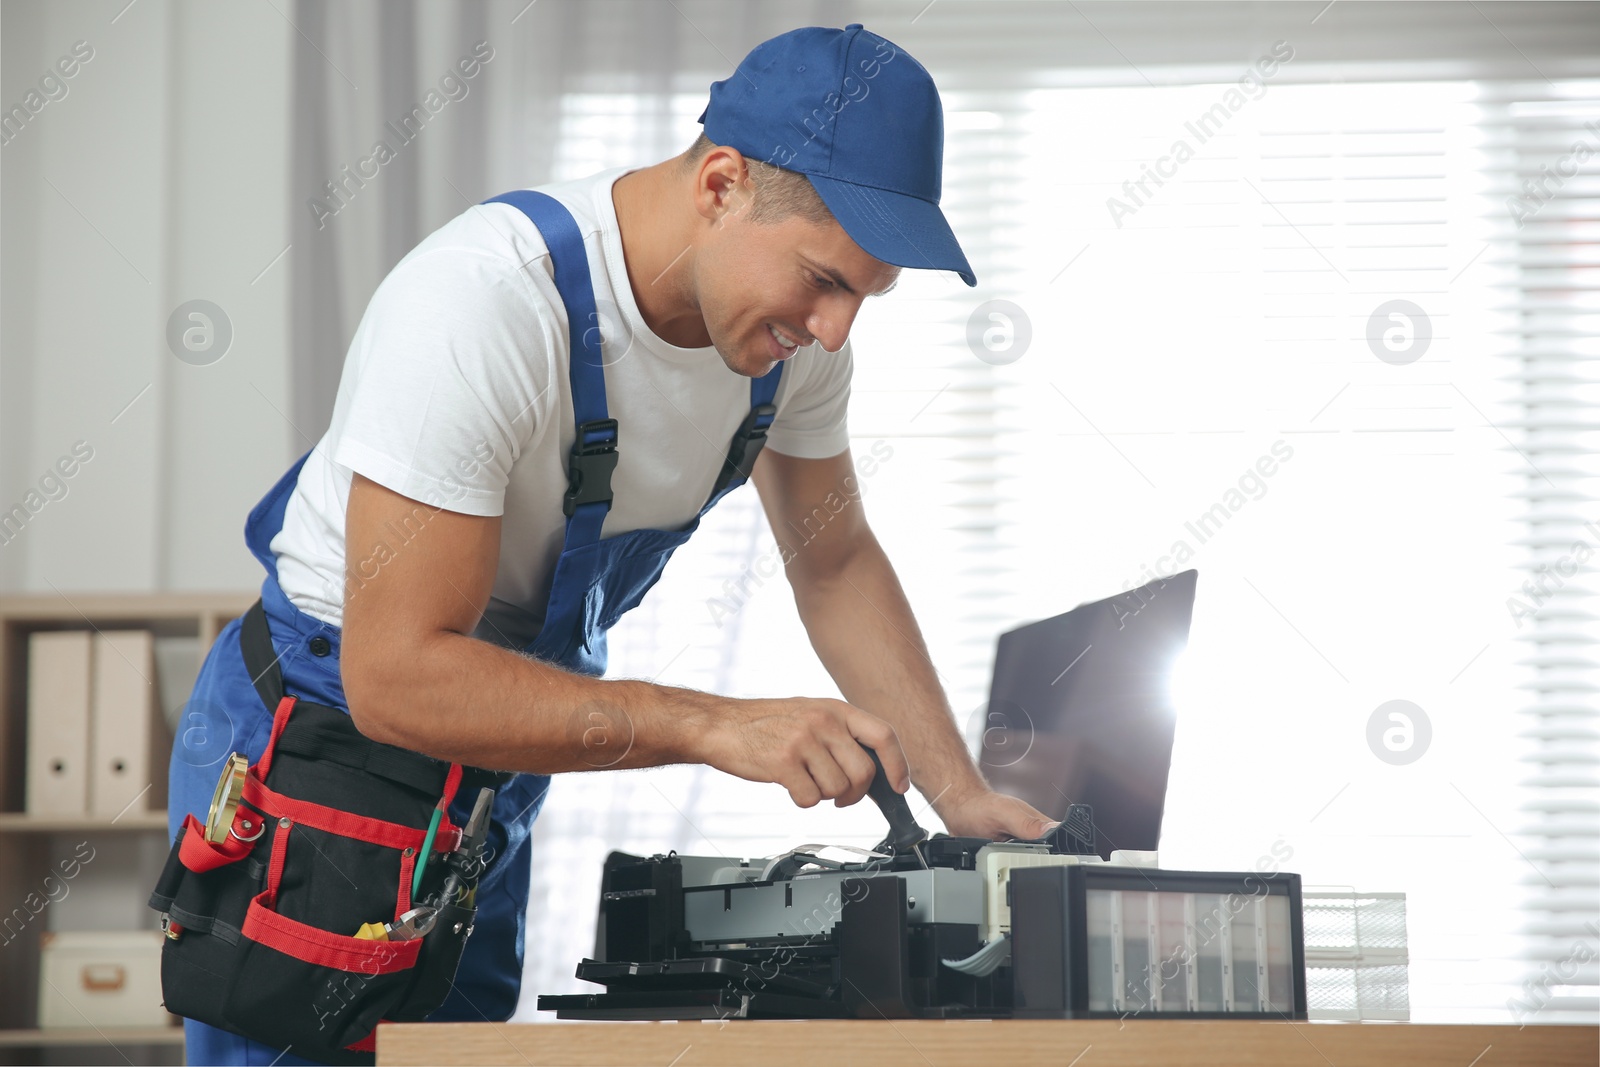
{"points": [[1008, 1043]]}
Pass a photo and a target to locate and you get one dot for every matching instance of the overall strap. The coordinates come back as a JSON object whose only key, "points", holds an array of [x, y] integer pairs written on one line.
{"points": [[266, 518], [594, 451], [749, 438], [260, 659]]}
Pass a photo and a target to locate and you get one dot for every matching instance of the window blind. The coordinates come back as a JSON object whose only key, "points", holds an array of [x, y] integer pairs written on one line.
{"points": [[1544, 139], [1174, 338]]}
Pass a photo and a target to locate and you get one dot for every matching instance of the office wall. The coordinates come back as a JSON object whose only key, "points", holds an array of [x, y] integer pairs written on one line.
{"points": [[154, 175]]}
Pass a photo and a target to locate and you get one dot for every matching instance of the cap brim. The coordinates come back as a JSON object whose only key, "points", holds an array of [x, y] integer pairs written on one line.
{"points": [[901, 230]]}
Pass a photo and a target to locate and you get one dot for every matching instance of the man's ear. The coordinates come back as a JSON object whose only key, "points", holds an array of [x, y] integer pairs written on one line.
{"points": [[722, 185]]}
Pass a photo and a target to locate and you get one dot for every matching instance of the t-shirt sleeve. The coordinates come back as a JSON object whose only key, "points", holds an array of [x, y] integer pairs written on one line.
{"points": [[453, 378], [811, 422]]}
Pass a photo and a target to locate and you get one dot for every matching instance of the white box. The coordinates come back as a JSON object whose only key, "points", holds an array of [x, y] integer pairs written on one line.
{"points": [[1357, 962], [101, 978], [58, 722]]}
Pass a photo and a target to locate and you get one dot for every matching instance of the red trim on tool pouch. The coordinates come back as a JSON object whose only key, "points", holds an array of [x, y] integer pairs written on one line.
{"points": [[402, 900], [333, 821], [280, 719], [452, 782], [200, 855], [280, 846], [356, 954]]}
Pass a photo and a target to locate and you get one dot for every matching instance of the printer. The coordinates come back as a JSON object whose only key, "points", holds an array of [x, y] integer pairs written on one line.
{"points": [[1081, 924]]}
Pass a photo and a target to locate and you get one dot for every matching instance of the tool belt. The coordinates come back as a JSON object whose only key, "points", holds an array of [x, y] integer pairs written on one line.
{"points": [[296, 914]]}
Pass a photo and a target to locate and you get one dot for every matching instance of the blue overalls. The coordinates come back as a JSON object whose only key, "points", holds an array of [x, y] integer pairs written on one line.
{"points": [[595, 582]]}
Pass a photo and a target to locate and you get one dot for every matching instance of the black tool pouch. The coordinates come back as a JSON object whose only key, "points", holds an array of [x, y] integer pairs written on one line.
{"points": [[326, 838]]}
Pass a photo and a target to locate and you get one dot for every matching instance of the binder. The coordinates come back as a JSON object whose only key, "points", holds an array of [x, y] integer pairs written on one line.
{"points": [[58, 722], [127, 733]]}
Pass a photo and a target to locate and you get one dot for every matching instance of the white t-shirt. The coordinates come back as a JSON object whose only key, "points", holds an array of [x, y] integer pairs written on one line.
{"points": [[455, 393]]}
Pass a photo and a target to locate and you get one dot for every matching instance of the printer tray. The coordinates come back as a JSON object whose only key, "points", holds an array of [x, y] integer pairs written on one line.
{"points": [[689, 1004], [704, 972]]}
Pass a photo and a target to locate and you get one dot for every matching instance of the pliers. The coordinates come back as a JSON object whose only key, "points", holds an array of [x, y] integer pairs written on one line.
{"points": [[413, 924]]}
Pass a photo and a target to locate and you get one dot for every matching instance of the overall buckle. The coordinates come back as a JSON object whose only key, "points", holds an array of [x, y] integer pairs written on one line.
{"points": [[590, 468], [752, 432], [746, 445]]}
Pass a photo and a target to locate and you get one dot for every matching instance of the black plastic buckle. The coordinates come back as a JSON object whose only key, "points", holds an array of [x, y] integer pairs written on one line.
{"points": [[589, 470], [741, 456]]}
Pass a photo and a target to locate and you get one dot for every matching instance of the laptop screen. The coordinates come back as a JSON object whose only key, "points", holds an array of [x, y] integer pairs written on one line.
{"points": [[1080, 710]]}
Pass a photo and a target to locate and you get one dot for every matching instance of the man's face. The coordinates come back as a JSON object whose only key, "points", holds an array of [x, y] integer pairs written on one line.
{"points": [[803, 279]]}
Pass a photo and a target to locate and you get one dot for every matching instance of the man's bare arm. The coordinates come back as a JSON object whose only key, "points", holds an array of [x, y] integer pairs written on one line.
{"points": [[415, 677], [862, 628]]}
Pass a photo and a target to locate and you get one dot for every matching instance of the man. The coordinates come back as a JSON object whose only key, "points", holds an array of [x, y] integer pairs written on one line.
{"points": [[446, 522]]}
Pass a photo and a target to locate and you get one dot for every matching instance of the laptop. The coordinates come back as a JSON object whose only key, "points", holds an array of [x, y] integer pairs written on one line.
{"points": [[1080, 710]]}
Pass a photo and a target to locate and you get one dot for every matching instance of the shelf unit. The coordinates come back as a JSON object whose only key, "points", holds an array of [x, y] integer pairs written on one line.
{"points": [[26, 840], [17, 822], [88, 1038]]}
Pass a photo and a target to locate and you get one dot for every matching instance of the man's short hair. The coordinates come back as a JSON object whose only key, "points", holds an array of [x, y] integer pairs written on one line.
{"points": [[779, 193]]}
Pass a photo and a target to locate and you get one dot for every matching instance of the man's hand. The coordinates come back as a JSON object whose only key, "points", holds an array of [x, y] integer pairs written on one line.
{"points": [[861, 625], [811, 747], [995, 816]]}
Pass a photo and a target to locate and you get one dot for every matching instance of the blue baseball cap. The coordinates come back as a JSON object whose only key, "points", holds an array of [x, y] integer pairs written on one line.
{"points": [[861, 119]]}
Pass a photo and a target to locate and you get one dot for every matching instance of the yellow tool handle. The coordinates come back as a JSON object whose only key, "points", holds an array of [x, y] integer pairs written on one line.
{"points": [[373, 932]]}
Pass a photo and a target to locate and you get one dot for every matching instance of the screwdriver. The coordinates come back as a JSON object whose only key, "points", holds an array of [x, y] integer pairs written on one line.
{"points": [[904, 833]]}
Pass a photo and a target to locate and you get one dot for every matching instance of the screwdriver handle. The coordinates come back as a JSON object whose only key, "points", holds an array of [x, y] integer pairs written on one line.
{"points": [[904, 833]]}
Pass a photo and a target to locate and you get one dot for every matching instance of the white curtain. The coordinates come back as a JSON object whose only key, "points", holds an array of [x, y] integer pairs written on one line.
{"points": [[362, 67], [1217, 317]]}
